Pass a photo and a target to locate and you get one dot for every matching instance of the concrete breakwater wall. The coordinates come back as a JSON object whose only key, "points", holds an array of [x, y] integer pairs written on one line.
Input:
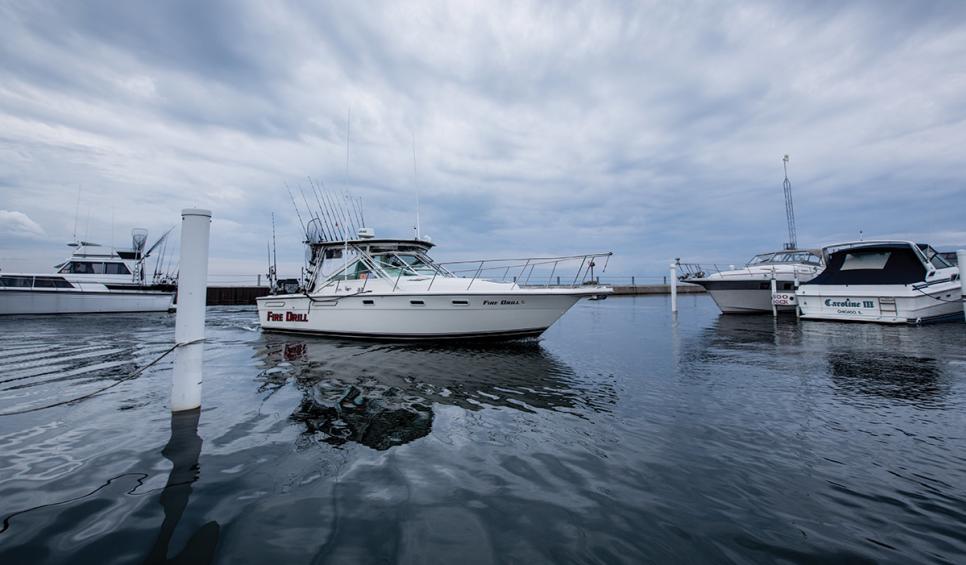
{"points": [[234, 295], [683, 288]]}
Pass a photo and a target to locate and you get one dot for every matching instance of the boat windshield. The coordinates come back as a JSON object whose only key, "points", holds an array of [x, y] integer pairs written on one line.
{"points": [[934, 257], [761, 259], [409, 264], [806, 257]]}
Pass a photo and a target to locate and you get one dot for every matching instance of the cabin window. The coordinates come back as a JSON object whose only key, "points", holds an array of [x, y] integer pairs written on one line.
{"points": [[16, 282], [368, 302], [79, 268], [95, 268], [52, 282], [870, 260], [416, 302], [461, 303]]}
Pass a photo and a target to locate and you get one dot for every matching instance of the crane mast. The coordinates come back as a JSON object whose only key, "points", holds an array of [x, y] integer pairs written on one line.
{"points": [[789, 209]]}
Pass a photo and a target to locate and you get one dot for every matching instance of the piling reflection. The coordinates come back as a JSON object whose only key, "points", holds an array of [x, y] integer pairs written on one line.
{"points": [[183, 450], [381, 395]]}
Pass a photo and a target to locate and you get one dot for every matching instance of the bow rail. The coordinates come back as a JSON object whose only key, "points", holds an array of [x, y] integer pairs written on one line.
{"points": [[532, 271]]}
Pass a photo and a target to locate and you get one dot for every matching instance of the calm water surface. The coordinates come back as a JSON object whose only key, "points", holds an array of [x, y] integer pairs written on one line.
{"points": [[623, 436]]}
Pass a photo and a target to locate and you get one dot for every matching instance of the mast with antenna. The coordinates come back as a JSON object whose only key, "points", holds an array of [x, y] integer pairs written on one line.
{"points": [[76, 212], [416, 182], [789, 209]]}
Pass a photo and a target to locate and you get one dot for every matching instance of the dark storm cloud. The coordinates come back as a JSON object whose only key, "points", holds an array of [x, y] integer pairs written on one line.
{"points": [[655, 129]]}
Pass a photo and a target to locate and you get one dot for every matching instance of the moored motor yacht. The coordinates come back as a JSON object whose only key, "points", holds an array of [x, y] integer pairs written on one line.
{"points": [[896, 282], [392, 289], [94, 279], [748, 290]]}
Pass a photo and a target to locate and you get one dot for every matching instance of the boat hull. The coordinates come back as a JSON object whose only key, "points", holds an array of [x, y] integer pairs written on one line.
{"points": [[70, 301], [743, 297], [414, 317], [901, 306]]}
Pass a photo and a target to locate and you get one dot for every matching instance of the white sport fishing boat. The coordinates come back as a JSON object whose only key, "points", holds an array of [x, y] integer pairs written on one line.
{"points": [[748, 290], [95, 279], [894, 282], [392, 289]]}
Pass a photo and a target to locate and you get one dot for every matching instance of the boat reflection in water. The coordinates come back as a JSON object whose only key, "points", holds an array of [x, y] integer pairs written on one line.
{"points": [[382, 395], [888, 375], [860, 361]]}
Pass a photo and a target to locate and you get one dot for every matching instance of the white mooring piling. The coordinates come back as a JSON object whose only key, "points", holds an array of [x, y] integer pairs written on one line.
{"points": [[673, 280], [189, 326], [774, 290], [961, 259]]}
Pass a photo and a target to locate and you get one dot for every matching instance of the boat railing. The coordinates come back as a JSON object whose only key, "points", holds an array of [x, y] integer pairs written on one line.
{"points": [[531, 271], [695, 270]]}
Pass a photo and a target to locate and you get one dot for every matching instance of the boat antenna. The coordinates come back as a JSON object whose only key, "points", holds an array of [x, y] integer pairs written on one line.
{"points": [[87, 226], [268, 251], [296, 207], [76, 212], [416, 183], [789, 209], [274, 247]]}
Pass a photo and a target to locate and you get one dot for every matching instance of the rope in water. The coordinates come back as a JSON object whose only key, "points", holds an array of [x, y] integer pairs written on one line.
{"points": [[96, 392]]}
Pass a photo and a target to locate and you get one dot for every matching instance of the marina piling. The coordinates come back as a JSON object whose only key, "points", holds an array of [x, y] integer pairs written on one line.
{"points": [[189, 328], [774, 289], [961, 260], [674, 286]]}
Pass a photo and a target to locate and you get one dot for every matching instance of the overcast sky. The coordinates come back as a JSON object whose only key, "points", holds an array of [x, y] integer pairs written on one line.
{"points": [[652, 130]]}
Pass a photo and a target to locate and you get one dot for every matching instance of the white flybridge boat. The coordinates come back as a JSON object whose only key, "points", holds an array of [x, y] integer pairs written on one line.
{"points": [[95, 279], [894, 282], [748, 290], [392, 289]]}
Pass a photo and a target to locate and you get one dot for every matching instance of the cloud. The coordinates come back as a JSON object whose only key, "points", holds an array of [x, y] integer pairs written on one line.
{"points": [[651, 129], [18, 224]]}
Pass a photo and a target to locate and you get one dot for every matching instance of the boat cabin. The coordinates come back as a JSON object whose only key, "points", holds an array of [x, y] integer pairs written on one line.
{"points": [[878, 263], [378, 258]]}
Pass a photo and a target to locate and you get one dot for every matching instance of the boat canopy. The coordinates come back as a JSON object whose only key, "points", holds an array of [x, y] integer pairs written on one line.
{"points": [[376, 245], [872, 264]]}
